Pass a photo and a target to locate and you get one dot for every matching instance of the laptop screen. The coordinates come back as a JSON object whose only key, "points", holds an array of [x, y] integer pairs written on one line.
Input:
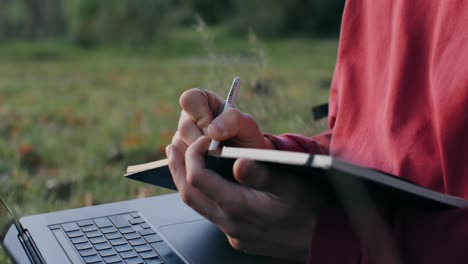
{"points": [[6, 219]]}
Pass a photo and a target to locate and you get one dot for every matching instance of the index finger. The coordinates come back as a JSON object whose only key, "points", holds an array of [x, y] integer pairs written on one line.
{"points": [[201, 105], [204, 179]]}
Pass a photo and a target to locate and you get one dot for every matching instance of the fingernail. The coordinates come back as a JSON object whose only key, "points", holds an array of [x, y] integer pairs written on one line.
{"points": [[205, 131]]}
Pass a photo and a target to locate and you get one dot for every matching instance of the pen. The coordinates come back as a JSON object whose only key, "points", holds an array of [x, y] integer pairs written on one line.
{"points": [[230, 101]]}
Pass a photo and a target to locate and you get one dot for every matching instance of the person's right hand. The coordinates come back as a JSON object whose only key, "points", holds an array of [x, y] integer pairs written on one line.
{"points": [[201, 115], [267, 213], [270, 212]]}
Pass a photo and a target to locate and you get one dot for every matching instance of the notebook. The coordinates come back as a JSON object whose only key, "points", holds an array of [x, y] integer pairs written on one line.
{"points": [[331, 175]]}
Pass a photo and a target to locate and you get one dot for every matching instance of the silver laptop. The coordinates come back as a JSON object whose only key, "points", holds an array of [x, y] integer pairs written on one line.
{"points": [[160, 229]]}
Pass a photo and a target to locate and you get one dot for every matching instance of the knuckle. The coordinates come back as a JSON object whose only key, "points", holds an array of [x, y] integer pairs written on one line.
{"points": [[172, 166], [194, 179], [204, 122], [186, 197], [179, 145], [184, 129], [176, 139], [187, 96]]}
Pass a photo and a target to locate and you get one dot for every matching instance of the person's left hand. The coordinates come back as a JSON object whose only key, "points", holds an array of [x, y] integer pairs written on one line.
{"points": [[267, 214]]}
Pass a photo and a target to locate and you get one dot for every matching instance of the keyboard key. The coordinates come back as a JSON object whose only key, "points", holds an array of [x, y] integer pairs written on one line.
{"points": [[85, 222], [137, 228], [82, 246], [113, 235], [118, 241], [122, 248], [136, 221], [153, 238], [107, 252], [87, 252], [97, 240], [92, 259], [89, 228], [148, 254], [102, 222], [157, 260], [145, 225], [52, 227], [166, 253], [109, 229], [119, 220], [112, 259], [145, 232], [76, 233], [115, 262], [70, 227], [133, 235], [135, 260], [102, 246], [136, 242], [125, 230], [142, 248], [135, 215], [128, 254], [78, 240], [93, 234]]}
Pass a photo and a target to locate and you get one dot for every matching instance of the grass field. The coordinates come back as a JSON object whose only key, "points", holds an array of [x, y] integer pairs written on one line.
{"points": [[71, 120]]}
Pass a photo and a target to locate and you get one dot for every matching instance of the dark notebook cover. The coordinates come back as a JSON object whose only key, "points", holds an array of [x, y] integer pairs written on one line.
{"points": [[338, 179]]}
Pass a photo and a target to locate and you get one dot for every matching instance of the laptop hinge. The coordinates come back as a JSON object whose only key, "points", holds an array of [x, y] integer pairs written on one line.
{"points": [[24, 237], [29, 246]]}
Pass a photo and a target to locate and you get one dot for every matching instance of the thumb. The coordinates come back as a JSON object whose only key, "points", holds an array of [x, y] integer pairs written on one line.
{"points": [[281, 184], [258, 176], [238, 128]]}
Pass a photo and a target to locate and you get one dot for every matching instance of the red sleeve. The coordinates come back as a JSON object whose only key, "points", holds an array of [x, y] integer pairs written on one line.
{"points": [[405, 236], [398, 104]]}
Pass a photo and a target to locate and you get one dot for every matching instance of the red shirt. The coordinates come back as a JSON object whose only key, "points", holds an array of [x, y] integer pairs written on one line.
{"points": [[399, 103]]}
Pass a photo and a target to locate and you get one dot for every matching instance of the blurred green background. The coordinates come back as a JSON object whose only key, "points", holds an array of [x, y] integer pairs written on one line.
{"points": [[89, 87]]}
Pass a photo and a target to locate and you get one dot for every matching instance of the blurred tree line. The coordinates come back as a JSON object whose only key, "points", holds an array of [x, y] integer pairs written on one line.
{"points": [[94, 21]]}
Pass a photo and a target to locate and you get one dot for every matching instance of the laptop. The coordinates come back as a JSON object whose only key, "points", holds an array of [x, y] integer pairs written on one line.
{"points": [[159, 229]]}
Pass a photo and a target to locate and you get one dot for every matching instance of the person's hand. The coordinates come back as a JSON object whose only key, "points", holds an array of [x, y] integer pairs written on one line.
{"points": [[267, 214], [201, 115]]}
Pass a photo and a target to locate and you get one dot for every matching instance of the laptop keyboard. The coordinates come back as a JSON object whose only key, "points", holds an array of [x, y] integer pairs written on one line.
{"points": [[123, 238]]}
